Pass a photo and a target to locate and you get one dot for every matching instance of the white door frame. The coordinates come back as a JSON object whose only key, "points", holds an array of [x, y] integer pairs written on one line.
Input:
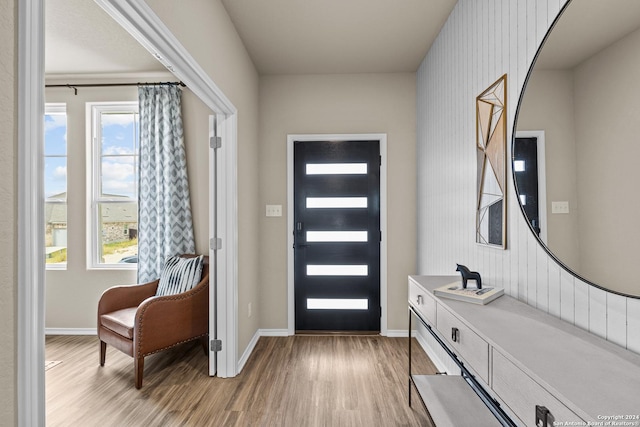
{"points": [[142, 23], [30, 354], [382, 138]]}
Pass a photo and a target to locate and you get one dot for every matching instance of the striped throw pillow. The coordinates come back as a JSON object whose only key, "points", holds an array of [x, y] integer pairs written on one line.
{"points": [[179, 275]]}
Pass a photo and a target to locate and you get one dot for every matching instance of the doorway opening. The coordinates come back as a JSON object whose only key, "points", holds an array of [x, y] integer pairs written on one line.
{"points": [[145, 26], [337, 239], [530, 178]]}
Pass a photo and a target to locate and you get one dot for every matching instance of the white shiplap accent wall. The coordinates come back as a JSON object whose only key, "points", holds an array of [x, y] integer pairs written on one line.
{"points": [[482, 40]]}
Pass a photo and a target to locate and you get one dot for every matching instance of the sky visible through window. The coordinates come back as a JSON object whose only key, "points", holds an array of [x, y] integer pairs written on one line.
{"points": [[55, 150], [55, 185], [119, 150], [119, 154]]}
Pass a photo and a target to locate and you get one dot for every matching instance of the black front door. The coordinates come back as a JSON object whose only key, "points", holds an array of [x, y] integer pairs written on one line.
{"points": [[337, 235], [525, 165]]}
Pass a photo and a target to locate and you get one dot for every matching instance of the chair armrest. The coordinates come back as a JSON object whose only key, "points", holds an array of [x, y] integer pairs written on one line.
{"points": [[119, 297], [165, 321]]}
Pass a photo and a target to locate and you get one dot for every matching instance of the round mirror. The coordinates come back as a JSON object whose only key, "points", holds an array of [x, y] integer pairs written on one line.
{"points": [[576, 143]]}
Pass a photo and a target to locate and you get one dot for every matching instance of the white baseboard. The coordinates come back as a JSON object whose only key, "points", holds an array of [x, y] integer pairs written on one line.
{"points": [[399, 333], [274, 332], [247, 351], [70, 331], [254, 340]]}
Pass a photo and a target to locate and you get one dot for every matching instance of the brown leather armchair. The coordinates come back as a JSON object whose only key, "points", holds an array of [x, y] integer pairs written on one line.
{"points": [[138, 323]]}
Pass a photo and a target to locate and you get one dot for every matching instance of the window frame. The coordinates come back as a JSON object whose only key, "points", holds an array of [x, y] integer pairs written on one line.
{"points": [[51, 108], [94, 200]]}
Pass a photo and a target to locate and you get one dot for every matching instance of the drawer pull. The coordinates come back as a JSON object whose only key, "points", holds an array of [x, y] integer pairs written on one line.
{"points": [[455, 332], [543, 417], [420, 299]]}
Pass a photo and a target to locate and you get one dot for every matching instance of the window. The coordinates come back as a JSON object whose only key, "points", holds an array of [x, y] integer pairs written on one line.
{"points": [[113, 177], [55, 185]]}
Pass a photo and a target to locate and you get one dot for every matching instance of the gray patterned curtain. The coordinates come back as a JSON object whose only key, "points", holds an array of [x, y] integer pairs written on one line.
{"points": [[165, 225]]}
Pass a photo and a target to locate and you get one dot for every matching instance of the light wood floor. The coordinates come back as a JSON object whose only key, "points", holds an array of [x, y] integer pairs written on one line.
{"points": [[288, 381]]}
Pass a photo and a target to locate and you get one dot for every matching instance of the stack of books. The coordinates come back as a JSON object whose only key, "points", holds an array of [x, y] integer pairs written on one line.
{"points": [[472, 295]]}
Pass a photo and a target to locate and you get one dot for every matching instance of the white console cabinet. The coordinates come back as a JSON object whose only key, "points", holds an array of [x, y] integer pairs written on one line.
{"points": [[528, 361]]}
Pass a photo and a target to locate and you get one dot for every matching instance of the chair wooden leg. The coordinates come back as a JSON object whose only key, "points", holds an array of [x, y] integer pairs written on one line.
{"points": [[138, 368], [103, 352]]}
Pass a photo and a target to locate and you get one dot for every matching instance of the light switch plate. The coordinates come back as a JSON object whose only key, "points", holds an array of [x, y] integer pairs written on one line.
{"points": [[560, 207], [274, 210]]}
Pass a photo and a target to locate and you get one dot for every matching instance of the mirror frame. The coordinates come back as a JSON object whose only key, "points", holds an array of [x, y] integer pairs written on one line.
{"points": [[513, 175]]}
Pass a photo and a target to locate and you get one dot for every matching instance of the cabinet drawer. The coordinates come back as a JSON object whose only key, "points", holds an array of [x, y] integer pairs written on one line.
{"points": [[423, 302], [467, 343], [521, 393]]}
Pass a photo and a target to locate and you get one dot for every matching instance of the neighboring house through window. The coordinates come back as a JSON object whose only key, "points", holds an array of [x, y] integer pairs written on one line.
{"points": [[113, 186], [55, 185]]}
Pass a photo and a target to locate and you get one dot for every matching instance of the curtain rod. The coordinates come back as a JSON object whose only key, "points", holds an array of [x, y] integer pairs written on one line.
{"points": [[76, 86]]}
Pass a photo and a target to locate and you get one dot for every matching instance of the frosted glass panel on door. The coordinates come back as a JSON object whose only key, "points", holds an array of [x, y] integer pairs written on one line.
{"points": [[337, 304], [336, 168], [337, 270], [337, 236], [336, 202], [519, 166]]}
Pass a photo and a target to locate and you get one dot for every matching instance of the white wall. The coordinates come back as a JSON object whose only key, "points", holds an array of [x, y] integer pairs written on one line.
{"points": [[8, 211], [482, 40]]}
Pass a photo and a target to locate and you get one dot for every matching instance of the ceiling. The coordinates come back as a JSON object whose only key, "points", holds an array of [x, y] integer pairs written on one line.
{"points": [[606, 22], [338, 36], [80, 38], [281, 36], [316, 37]]}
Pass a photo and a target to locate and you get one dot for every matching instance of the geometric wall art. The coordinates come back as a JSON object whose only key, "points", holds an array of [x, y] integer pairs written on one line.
{"points": [[491, 135]]}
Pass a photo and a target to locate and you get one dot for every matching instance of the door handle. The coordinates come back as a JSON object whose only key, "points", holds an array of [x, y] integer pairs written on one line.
{"points": [[455, 334], [299, 227]]}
